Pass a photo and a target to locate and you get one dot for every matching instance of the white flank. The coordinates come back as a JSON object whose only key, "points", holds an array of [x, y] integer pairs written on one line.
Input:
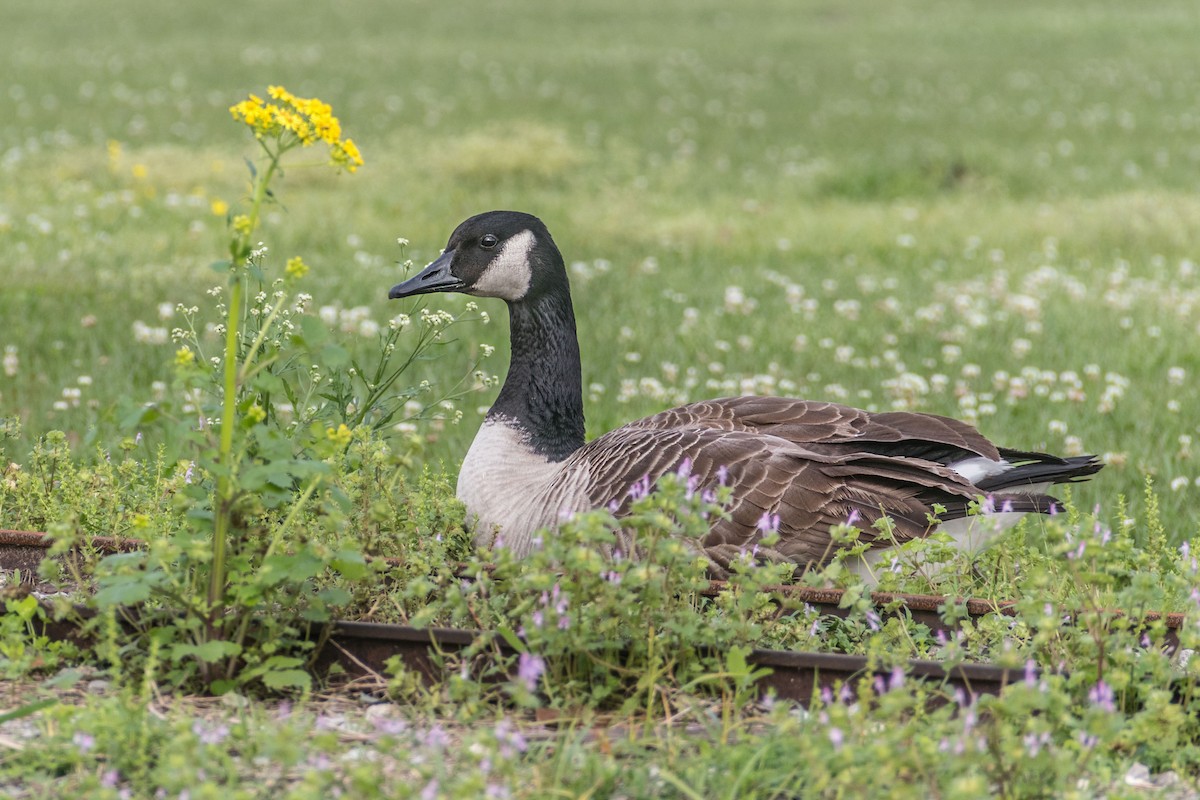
{"points": [[509, 273], [978, 468], [510, 491], [970, 534]]}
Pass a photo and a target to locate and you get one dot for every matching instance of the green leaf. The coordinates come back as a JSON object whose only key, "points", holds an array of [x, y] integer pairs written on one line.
{"points": [[334, 596], [27, 709], [349, 563], [124, 590], [287, 678], [513, 640], [142, 415], [221, 266], [209, 652]]}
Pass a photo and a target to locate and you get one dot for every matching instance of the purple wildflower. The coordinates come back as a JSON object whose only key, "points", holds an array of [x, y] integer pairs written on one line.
{"points": [[430, 792], [84, 741], [436, 738], [722, 474], [191, 469], [529, 670], [1034, 742], [837, 737], [1030, 672], [768, 522], [1102, 697], [206, 735]]}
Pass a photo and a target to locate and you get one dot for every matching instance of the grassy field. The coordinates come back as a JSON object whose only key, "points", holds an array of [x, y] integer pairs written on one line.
{"points": [[987, 211], [981, 212]]}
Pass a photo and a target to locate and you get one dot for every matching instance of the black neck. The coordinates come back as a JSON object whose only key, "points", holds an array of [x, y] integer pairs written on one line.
{"points": [[543, 392]]}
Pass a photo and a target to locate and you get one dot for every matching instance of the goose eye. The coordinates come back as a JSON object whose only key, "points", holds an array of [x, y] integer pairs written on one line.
{"points": [[488, 241]]}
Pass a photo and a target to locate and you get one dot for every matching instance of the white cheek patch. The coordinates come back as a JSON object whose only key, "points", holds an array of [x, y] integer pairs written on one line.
{"points": [[510, 272]]}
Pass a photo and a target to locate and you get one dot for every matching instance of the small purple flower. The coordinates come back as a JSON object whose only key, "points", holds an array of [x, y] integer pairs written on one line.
{"points": [[853, 517], [897, 679], [110, 779], [191, 469], [1102, 697], [207, 735], [387, 726], [768, 522], [564, 622], [872, 620], [1034, 742], [837, 737], [1030, 672], [430, 792], [138, 439], [529, 670], [436, 738], [722, 474], [1087, 740], [84, 741]]}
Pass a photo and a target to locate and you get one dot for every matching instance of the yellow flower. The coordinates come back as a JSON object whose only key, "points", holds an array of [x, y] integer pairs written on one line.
{"points": [[296, 268], [345, 154], [297, 120], [184, 356], [255, 414], [220, 208], [340, 436], [241, 225], [139, 171]]}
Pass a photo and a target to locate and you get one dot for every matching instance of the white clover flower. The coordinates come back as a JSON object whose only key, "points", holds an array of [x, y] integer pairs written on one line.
{"points": [[1176, 376], [11, 362]]}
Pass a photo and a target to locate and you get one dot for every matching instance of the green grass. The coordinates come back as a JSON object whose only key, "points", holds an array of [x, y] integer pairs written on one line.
{"points": [[940, 198]]}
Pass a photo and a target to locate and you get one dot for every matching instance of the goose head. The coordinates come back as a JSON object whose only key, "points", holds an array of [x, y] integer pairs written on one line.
{"points": [[503, 254]]}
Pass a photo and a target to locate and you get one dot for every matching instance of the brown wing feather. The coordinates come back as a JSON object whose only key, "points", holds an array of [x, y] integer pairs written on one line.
{"points": [[829, 427], [810, 491]]}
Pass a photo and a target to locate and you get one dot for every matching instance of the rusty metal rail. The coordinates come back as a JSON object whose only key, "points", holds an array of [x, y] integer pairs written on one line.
{"points": [[24, 550], [363, 648]]}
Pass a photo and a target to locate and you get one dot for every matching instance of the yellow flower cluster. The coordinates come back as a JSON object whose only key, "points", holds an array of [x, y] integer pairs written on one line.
{"points": [[296, 268], [309, 120]]}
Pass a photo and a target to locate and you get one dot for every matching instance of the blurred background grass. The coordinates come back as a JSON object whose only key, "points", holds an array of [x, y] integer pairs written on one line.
{"points": [[933, 205]]}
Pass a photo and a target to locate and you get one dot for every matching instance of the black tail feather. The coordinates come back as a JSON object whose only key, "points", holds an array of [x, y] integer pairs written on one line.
{"points": [[1040, 468]]}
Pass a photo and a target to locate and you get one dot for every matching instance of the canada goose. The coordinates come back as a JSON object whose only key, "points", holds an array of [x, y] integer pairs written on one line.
{"points": [[814, 464]]}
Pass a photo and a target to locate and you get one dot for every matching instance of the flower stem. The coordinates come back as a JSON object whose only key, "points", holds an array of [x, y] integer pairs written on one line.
{"points": [[223, 511]]}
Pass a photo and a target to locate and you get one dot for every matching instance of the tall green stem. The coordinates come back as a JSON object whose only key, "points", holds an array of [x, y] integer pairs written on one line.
{"points": [[223, 512]]}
